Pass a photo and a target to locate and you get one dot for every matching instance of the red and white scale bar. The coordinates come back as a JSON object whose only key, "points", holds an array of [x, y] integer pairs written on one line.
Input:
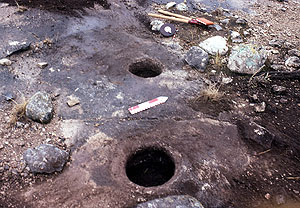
{"points": [[147, 105]]}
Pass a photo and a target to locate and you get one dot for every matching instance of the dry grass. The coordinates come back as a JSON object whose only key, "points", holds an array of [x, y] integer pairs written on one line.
{"points": [[210, 93], [218, 60], [18, 111]]}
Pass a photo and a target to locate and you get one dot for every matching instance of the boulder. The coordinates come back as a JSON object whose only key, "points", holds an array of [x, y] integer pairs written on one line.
{"points": [[246, 59], [214, 45], [197, 58], [45, 158], [39, 108], [182, 201]]}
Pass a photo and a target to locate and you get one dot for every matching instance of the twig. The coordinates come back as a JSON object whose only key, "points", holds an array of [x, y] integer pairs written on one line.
{"points": [[261, 153], [256, 73], [293, 178]]}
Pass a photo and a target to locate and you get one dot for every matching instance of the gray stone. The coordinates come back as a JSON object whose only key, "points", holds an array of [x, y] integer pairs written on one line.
{"points": [[170, 5], [225, 21], [214, 45], [294, 52], [276, 43], [197, 58], [42, 65], [73, 100], [280, 199], [257, 133], [156, 24], [241, 21], [9, 96], [45, 158], [180, 201], [293, 62], [15, 46], [278, 67], [246, 59], [182, 7], [278, 89], [39, 108], [260, 107], [5, 62], [236, 37]]}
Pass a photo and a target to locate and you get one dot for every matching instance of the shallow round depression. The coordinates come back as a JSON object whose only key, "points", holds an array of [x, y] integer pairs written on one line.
{"points": [[150, 167], [145, 68]]}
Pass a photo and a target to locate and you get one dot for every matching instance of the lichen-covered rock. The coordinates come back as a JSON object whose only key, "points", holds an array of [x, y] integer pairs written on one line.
{"points": [[39, 108], [45, 158], [246, 59], [215, 45], [197, 58], [180, 201]]}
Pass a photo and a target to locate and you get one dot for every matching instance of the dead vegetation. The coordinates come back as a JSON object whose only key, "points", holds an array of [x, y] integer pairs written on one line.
{"points": [[210, 93], [18, 110]]}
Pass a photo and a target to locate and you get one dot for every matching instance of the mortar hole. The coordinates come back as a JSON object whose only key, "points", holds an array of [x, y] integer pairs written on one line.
{"points": [[145, 68], [150, 167]]}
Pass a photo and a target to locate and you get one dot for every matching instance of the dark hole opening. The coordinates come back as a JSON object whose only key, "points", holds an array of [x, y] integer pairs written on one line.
{"points": [[150, 167], [146, 68]]}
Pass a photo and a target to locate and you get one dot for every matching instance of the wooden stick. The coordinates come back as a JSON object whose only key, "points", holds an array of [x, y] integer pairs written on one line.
{"points": [[168, 18], [174, 15], [293, 178]]}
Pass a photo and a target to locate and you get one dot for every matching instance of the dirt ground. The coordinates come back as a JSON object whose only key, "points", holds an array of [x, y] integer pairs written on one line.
{"points": [[89, 46]]}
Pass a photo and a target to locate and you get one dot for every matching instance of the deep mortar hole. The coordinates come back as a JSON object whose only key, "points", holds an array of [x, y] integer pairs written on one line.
{"points": [[150, 167], [145, 68]]}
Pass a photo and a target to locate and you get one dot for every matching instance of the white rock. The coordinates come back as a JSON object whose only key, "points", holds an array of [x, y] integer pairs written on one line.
{"points": [[170, 4], [73, 100], [5, 62], [156, 24], [182, 7], [42, 64], [214, 45], [236, 37]]}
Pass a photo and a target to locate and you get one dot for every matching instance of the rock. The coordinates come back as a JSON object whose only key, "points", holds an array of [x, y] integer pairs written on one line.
{"points": [[293, 62], [283, 100], [216, 26], [236, 37], [39, 107], [42, 65], [9, 96], [156, 24], [241, 21], [73, 100], [280, 199], [16, 46], [278, 89], [226, 80], [180, 201], [276, 43], [259, 134], [246, 33], [246, 59], [173, 45], [170, 5], [214, 45], [5, 62], [197, 58], [225, 21], [294, 52], [278, 67], [182, 7], [45, 158], [268, 196], [260, 107]]}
